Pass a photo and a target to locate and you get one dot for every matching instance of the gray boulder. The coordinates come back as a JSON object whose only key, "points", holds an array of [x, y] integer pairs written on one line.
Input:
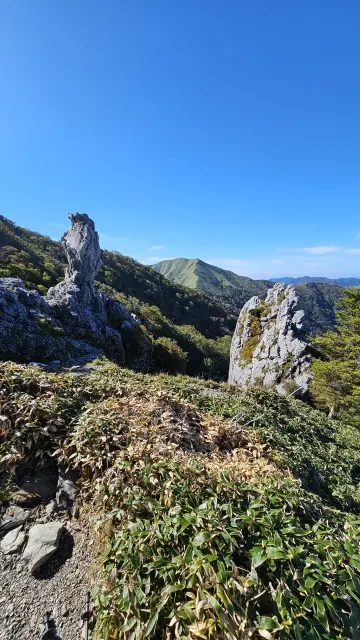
{"points": [[268, 347], [13, 540], [42, 543]]}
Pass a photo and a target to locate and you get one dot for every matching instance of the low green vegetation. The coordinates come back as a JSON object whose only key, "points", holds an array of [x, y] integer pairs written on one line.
{"points": [[209, 527], [204, 555]]}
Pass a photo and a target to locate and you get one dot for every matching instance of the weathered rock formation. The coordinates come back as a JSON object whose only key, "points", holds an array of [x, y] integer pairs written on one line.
{"points": [[268, 346], [82, 250], [72, 324]]}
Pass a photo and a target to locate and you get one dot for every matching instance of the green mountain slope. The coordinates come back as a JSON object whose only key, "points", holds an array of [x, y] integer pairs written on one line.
{"points": [[230, 288], [198, 324], [318, 300]]}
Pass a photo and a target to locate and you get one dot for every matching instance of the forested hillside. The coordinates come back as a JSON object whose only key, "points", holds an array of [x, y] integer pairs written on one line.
{"points": [[191, 332], [318, 300]]}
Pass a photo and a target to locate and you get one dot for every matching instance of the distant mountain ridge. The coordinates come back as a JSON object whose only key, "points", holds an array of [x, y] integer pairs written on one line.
{"points": [[341, 282], [229, 287], [317, 299]]}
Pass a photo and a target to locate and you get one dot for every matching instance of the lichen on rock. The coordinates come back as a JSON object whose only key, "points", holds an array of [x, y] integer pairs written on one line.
{"points": [[269, 347]]}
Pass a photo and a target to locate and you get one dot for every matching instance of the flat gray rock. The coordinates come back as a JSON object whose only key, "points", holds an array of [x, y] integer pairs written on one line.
{"points": [[42, 543], [13, 540], [14, 517]]}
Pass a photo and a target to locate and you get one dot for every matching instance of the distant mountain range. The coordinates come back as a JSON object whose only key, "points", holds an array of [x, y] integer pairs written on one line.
{"points": [[317, 299], [341, 282], [231, 288]]}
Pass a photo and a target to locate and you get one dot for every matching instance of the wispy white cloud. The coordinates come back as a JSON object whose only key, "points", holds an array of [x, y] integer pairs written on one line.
{"points": [[278, 261], [156, 247], [352, 250], [321, 249], [316, 250]]}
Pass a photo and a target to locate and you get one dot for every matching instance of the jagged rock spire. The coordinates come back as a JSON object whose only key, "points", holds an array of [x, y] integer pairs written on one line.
{"points": [[268, 346], [82, 250]]}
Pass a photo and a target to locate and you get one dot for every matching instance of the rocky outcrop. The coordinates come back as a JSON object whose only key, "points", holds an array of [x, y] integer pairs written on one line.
{"points": [[73, 324], [82, 250], [268, 346]]}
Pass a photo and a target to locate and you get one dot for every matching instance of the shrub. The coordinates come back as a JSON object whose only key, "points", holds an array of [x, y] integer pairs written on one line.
{"points": [[336, 383], [197, 554], [168, 356]]}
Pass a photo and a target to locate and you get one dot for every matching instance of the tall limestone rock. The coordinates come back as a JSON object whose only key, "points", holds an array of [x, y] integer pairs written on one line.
{"points": [[72, 323], [269, 347], [82, 250]]}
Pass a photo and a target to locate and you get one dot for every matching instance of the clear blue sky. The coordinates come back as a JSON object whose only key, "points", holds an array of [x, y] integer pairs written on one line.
{"points": [[226, 130]]}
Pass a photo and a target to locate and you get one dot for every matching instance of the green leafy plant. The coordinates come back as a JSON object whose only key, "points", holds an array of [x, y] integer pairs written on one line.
{"points": [[195, 554], [169, 356]]}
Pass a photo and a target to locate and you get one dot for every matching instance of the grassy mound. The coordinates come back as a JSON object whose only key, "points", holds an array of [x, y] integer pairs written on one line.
{"points": [[222, 514], [197, 553]]}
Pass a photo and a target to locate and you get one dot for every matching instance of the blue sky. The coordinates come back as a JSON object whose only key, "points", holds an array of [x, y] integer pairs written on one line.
{"points": [[227, 131]]}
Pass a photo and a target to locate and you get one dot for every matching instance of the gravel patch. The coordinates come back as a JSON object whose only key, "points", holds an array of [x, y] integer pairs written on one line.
{"points": [[58, 587]]}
